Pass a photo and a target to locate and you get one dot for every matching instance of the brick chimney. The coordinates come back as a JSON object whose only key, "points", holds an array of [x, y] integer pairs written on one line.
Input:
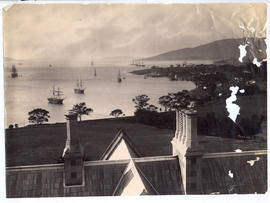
{"points": [[73, 154], [185, 146]]}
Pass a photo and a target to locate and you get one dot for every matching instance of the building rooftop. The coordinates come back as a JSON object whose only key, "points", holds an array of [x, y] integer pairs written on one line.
{"points": [[101, 178]]}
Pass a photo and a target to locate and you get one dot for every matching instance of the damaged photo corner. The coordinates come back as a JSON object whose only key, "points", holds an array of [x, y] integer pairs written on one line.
{"points": [[163, 101]]}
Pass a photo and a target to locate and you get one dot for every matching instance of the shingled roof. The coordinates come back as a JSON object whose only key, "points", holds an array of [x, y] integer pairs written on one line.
{"points": [[101, 178], [240, 173]]}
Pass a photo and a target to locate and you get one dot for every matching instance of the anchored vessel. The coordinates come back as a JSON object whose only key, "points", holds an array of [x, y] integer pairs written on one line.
{"points": [[79, 89], [14, 72], [57, 96], [119, 79]]}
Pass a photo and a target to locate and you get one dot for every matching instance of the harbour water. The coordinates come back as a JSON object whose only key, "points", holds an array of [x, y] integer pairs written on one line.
{"points": [[103, 93]]}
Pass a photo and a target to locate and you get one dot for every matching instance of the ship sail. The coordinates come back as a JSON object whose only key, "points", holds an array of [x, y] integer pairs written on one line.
{"points": [[57, 96], [119, 77], [79, 89], [14, 72]]}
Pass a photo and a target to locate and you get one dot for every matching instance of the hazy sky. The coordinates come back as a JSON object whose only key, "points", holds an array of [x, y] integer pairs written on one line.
{"points": [[86, 31]]}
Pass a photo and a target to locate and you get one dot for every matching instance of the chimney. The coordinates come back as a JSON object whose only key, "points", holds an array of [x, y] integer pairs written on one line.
{"points": [[185, 146], [73, 154], [191, 129]]}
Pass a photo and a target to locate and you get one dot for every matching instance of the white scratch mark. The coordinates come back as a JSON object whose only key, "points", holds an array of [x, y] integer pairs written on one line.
{"points": [[242, 91], [215, 193], [233, 109], [230, 174], [252, 29], [243, 52], [238, 150], [252, 162], [242, 27], [256, 62]]}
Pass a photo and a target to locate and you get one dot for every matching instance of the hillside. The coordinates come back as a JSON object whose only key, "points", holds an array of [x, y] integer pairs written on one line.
{"points": [[226, 49]]}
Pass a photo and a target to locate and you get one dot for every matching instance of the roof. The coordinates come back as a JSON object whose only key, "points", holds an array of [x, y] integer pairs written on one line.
{"points": [[101, 178], [133, 182], [122, 144], [235, 173]]}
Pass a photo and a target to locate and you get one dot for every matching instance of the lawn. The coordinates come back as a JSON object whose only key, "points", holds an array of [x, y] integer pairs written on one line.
{"points": [[44, 144]]}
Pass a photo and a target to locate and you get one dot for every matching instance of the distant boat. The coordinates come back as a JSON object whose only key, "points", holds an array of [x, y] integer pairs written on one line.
{"points": [[56, 97], [92, 63], [95, 72], [14, 73], [50, 65], [132, 62], [79, 89], [119, 79], [138, 63]]}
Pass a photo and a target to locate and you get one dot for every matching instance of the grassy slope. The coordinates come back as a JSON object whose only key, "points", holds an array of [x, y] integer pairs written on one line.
{"points": [[45, 144]]}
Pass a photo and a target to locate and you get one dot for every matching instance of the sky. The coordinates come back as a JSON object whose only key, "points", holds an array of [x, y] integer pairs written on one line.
{"points": [[80, 32]]}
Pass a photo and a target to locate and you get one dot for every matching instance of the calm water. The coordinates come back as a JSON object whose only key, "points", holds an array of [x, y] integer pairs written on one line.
{"points": [[103, 93]]}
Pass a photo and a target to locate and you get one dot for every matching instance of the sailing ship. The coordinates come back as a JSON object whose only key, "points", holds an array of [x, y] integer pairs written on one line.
{"points": [[57, 96], [119, 79], [79, 89], [132, 62], [142, 64], [95, 72], [138, 63], [14, 72]]}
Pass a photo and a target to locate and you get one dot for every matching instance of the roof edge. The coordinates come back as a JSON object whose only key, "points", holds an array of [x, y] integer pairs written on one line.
{"points": [[234, 154], [91, 163]]}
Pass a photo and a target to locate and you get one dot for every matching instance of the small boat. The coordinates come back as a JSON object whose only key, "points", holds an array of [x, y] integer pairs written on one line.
{"points": [[79, 89], [95, 72], [14, 73], [119, 79], [56, 97], [92, 63]]}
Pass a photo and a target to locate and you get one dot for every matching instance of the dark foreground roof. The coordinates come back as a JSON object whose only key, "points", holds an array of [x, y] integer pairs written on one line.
{"points": [[229, 174], [101, 178]]}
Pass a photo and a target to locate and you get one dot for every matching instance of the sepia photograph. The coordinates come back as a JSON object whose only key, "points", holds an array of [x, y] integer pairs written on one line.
{"points": [[135, 99]]}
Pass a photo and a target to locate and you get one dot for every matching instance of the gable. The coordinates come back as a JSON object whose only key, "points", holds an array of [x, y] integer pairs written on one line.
{"points": [[133, 183], [120, 148], [122, 151]]}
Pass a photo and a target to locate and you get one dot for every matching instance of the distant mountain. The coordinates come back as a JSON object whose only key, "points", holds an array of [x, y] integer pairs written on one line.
{"points": [[221, 50]]}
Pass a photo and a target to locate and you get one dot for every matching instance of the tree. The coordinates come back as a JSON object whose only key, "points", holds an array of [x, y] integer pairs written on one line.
{"points": [[38, 116], [165, 101], [116, 113], [81, 109], [151, 108], [141, 101]]}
